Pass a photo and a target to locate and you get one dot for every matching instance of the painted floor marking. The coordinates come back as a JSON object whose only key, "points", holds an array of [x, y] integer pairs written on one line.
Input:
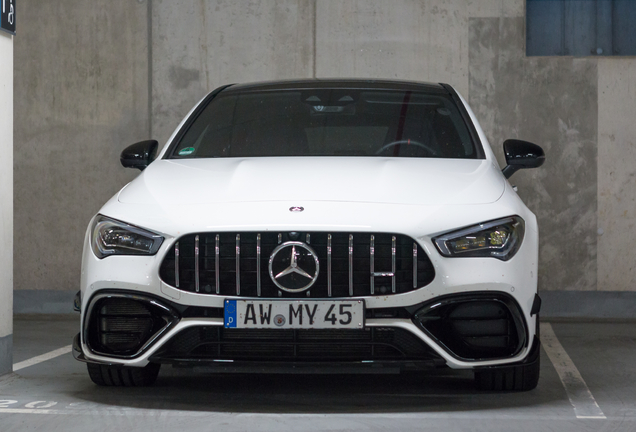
{"points": [[41, 358], [585, 406], [91, 410]]}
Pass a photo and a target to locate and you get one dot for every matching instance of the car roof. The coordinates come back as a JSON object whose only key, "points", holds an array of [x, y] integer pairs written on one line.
{"points": [[306, 84]]}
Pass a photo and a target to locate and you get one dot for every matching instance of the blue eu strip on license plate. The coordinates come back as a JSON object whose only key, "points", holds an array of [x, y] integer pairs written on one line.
{"points": [[230, 313]]}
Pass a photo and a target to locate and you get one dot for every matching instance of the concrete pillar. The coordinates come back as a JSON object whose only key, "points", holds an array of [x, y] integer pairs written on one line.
{"points": [[6, 202]]}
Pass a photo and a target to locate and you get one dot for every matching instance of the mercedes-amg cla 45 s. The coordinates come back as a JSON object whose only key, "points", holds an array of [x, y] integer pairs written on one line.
{"points": [[316, 224]]}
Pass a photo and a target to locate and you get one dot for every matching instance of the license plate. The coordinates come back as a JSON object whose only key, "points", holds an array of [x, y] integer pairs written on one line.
{"points": [[294, 314]]}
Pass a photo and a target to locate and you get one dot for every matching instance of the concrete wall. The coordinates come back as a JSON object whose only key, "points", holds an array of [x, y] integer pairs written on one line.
{"points": [[89, 79], [81, 86], [6, 202], [198, 46], [553, 102], [616, 174]]}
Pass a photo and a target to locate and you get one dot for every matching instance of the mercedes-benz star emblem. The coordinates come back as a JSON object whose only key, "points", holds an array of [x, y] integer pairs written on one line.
{"points": [[296, 209], [293, 266]]}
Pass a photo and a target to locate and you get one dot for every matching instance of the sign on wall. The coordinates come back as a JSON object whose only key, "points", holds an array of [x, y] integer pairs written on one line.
{"points": [[8, 16]]}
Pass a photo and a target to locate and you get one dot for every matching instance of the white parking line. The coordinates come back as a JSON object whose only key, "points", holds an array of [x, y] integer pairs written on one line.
{"points": [[585, 406], [95, 410], [41, 358]]}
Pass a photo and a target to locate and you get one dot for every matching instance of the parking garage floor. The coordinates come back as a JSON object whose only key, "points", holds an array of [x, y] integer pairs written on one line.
{"points": [[588, 383]]}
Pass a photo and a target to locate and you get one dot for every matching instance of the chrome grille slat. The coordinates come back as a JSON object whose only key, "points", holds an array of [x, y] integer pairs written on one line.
{"points": [[238, 264], [196, 263], [393, 239], [217, 264], [356, 264], [258, 265], [329, 265], [372, 253], [351, 265], [176, 264], [414, 265]]}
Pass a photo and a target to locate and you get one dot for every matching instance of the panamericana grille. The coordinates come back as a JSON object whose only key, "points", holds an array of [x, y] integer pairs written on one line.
{"points": [[351, 264], [218, 343]]}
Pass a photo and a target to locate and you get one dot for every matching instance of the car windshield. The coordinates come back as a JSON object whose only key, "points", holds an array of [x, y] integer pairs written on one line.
{"points": [[327, 122]]}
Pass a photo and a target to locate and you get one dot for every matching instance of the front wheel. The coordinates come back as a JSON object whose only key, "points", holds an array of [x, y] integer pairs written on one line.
{"points": [[123, 376], [515, 378], [520, 377]]}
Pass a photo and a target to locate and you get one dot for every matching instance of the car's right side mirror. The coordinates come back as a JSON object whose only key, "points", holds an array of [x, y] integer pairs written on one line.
{"points": [[521, 154]]}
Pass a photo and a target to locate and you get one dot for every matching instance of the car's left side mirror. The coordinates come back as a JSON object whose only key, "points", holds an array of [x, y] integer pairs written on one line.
{"points": [[520, 155], [139, 155]]}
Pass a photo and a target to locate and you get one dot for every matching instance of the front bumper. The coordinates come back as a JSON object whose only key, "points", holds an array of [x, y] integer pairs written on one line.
{"points": [[436, 348], [379, 367]]}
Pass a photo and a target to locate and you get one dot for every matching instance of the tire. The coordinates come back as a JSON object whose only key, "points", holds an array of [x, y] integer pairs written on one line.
{"points": [[521, 377], [515, 378], [122, 376]]}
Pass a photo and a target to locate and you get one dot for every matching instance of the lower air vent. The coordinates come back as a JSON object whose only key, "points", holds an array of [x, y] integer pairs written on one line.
{"points": [[122, 325], [217, 343], [476, 326]]}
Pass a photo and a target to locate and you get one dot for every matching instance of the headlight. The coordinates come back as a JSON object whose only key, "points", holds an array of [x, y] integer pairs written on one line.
{"points": [[499, 239], [112, 237]]}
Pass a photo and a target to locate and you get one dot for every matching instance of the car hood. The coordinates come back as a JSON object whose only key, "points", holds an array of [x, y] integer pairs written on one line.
{"points": [[168, 183]]}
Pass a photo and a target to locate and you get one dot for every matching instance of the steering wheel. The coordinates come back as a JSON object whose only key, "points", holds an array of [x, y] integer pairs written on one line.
{"points": [[387, 146]]}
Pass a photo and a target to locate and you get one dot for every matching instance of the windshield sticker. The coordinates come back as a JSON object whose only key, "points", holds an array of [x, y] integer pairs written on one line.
{"points": [[186, 151]]}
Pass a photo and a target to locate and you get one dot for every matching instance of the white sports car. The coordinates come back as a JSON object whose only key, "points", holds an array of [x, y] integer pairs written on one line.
{"points": [[316, 225]]}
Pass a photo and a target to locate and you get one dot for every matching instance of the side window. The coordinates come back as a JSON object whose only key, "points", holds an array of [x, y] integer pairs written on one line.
{"points": [[580, 27]]}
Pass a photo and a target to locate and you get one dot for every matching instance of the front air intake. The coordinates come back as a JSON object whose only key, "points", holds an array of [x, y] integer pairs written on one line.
{"points": [[479, 326], [293, 345], [123, 325]]}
